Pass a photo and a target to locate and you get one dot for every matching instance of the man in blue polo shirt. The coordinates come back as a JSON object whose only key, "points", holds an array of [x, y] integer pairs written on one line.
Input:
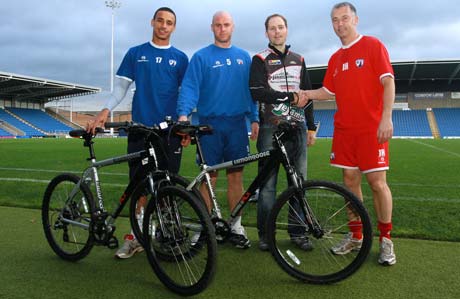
{"points": [[157, 68], [217, 84]]}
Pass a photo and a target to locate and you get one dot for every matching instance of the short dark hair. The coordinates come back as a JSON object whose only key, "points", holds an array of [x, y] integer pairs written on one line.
{"points": [[273, 16], [164, 8], [342, 4]]}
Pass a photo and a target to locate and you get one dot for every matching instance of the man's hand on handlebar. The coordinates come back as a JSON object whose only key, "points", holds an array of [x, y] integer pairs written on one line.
{"points": [[98, 121], [186, 140]]}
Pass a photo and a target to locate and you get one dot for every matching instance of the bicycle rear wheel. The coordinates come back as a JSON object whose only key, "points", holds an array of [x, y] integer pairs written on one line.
{"points": [[331, 207], [66, 216], [180, 242], [142, 195]]}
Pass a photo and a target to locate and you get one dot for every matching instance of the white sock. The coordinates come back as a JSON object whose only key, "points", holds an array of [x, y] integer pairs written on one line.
{"points": [[237, 228]]}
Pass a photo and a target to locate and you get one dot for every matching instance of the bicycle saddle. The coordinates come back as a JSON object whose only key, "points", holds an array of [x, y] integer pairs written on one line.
{"points": [[80, 133]]}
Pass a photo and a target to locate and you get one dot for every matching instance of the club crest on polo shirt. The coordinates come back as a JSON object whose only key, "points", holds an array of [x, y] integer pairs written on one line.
{"points": [[359, 63], [172, 62]]}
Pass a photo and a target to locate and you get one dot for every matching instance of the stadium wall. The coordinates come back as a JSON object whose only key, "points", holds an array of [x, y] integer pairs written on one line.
{"points": [[423, 100], [81, 118], [413, 100]]}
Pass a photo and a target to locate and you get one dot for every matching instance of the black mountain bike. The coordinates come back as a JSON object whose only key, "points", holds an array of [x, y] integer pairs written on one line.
{"points": [[320, 209], [74, 220]]}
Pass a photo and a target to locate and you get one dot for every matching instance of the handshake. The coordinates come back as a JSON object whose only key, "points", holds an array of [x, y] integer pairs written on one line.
{"points": [[301, 98]]}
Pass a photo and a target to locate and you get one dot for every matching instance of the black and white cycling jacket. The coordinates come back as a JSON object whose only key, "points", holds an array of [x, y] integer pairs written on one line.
{"points": [[274, 78]]}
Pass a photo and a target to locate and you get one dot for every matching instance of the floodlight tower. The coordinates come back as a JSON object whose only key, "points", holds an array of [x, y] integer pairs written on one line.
{"points": [[113, 4]]}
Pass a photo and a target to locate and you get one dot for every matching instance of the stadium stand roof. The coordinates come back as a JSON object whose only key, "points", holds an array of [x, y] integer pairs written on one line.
{"points": [[24, 88], [413, 76]]}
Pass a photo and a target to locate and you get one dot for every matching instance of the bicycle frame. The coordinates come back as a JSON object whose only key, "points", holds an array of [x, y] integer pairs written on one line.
{"points": [[90, 175], [273, 158]]}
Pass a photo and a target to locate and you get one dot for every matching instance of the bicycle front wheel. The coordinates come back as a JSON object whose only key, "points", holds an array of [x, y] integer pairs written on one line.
{"points": [[331, 208], [66, 216], [180, 242], [142, 195]]}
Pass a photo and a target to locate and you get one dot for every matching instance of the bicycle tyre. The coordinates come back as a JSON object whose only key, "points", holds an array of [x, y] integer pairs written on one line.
{"points": [[331, 204], [180, 241], [69, 241], [142, 190]]}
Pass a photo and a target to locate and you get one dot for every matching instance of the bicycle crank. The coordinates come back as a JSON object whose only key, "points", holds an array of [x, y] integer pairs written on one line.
{"points": [[222, 229]]}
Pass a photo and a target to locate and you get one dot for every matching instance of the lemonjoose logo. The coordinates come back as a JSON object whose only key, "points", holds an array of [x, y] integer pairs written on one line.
{"points": [[280, 110]]}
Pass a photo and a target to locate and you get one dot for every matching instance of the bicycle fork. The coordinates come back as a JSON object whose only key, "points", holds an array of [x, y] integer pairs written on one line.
{"points": [[301, 197]]}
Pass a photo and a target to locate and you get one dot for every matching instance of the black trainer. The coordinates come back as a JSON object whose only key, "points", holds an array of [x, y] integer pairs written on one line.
{"points": [[263, 245], [239, 241], [303, 242]]}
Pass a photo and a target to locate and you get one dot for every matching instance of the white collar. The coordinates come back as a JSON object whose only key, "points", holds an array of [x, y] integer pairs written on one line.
{"points": [[159, 47], [353, 42]]}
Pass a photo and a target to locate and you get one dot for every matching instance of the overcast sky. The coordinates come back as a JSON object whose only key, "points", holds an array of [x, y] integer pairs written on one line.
{"points": [[69, 40]]}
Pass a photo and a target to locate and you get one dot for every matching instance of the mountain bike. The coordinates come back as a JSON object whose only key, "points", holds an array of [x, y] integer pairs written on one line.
{"points": [[74, 220], [319, 209]]}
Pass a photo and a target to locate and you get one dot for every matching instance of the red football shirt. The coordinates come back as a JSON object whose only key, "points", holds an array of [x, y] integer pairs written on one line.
{"points": [[354, 76]]}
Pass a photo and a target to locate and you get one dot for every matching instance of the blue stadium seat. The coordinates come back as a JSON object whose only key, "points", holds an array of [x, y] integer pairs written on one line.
{"points": [[448, 120], [407, 123], [28, 130], [4, 133], [411, 123], [41, 120], [325, 118]]}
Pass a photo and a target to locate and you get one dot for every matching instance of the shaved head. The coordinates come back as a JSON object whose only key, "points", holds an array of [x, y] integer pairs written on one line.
{"points": [[220, 14]]}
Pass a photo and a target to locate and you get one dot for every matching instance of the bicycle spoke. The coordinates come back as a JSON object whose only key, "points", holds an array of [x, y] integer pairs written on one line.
{"points": [[66, 216], [330, 209]]}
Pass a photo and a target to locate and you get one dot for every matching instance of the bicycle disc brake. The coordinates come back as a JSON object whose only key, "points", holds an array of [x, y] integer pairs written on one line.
{"points": [[222, 229]]}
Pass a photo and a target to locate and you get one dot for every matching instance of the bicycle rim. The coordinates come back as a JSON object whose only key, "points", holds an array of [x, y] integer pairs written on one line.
{"points": [[180, 242], [331, 205], [142, 195], [66, 216]]}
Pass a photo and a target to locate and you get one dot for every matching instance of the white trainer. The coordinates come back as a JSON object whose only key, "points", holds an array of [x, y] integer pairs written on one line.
{"points": [[129, 248], [387, 255], [347, 245]]}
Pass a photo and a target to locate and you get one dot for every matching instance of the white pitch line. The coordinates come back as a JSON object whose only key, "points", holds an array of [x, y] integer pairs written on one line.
{"points": [[47, 181], [446, 200], [434, 147], [57, 171]]}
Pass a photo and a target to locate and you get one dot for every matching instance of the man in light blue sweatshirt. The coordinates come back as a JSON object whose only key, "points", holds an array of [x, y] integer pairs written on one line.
{"points": [[217, 84]]}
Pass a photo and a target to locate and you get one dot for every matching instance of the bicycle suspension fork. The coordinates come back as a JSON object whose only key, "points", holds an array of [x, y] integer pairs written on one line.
{"points": [[301, 195]]}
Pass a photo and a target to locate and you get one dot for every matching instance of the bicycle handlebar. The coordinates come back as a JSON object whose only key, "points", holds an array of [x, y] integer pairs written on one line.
{"points": [[121, 124], [185, 128], [180, 127]]}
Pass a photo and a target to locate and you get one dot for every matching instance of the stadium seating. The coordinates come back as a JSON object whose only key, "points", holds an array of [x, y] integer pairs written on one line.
{"points": [[4, 133], [407, 123], [411, 123], [448, 120], [41, 120], [325, 119], [28, 130]]}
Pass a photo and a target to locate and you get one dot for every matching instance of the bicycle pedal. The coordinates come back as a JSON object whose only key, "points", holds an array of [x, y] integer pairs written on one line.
{"points": [[112, 243]]}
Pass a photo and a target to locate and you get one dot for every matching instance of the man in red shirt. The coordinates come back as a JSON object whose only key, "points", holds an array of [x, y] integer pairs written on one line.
{"points": [[361, 78]]}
